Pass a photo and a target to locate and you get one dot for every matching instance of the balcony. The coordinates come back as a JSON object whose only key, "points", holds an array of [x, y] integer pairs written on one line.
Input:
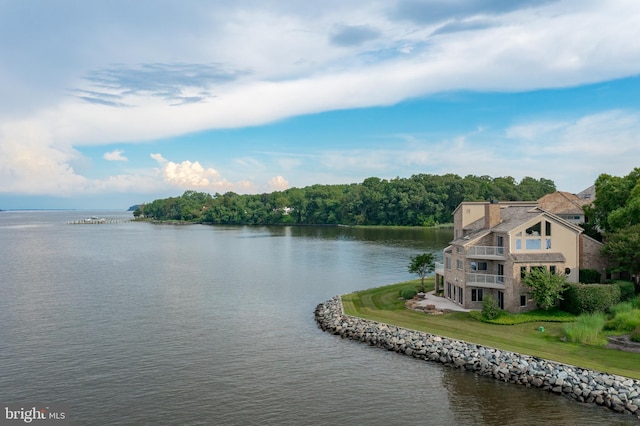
{"points": [[485, 281], [485, 252], [439, 269]]}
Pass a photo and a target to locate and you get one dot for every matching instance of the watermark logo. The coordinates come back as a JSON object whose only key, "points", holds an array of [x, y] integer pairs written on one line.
{"points": [[34, 414]]}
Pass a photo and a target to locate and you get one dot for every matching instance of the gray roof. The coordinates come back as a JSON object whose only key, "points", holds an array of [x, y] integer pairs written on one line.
{"points": [[512, 217]]}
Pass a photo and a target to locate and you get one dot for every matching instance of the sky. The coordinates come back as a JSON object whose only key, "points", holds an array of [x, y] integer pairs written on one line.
{"points": [[107, 104]]}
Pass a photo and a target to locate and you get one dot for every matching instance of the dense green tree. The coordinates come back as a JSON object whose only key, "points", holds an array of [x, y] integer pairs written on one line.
{"points": [[546, 286], [623, 249], [617, 203], [422, 265], [419, 200]]}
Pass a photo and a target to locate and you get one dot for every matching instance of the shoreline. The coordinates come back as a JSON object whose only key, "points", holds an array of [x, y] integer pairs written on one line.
{"points": [[618, 393]]}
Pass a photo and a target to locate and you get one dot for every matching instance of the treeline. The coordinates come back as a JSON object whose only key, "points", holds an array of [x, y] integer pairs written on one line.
{"points": [[421, 200]]}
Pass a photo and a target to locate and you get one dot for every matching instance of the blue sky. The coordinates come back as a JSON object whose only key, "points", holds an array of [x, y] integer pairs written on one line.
{"points": [[112, 103]]}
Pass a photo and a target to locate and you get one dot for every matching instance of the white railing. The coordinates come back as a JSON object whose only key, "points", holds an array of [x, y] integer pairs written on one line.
{"points": [[485, 251], [485, 280]]}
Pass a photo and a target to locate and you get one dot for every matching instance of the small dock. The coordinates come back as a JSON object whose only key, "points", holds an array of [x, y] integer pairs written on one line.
{"points": [[98, 221]]}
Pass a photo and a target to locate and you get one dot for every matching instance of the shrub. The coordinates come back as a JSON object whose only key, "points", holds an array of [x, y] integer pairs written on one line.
{"points": [[546, 287], [490, 309], [635, 335], [589, 298], [587, 330], [589, 276], [624, 322], [620, 308], [627, 290], [408, 293]]}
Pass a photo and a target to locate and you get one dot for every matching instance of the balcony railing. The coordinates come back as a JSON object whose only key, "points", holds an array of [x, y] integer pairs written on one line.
{"points": [[485, 252], [485, 280]]}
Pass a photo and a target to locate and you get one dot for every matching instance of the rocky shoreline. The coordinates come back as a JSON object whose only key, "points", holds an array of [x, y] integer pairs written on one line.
{"points": [[617, 393]]}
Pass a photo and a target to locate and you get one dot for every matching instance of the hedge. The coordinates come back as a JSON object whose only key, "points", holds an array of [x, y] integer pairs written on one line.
{"points": [[589, 298], [589, 276]]}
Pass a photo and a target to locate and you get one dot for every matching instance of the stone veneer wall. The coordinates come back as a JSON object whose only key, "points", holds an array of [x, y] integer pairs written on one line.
{"points": [[615, 392], [590, 257]]}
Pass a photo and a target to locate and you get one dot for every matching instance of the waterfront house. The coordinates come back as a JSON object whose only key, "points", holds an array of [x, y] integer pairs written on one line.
{"points": [[496, 243]]}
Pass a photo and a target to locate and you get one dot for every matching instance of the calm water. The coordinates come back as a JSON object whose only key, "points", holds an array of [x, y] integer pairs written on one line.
{"points": [[136, 323]]}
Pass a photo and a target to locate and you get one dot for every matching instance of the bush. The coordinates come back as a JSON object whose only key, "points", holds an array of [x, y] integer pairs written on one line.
{"points": [[627, 290], [490, 309], [408, 293], [589, 276], [589, 298], [624, 322], [587, 330], [620, 308], [635, 335]]}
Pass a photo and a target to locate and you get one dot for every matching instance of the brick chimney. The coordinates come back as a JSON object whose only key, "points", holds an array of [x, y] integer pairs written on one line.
{"points": [[491, 214]]}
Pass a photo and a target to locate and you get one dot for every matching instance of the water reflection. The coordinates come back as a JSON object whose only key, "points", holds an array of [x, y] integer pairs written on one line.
{"points": [[477, 400]]}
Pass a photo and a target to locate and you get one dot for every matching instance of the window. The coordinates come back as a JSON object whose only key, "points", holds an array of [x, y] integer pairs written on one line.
{"points": [[447, 261], [518, 241], [460, 295], [448, 290], [476, 295], [500, 241], [533, 244], [479, 266], [459, 264], [552, 269], [458, 250], [547, 229], [500, 273], [523, 271], [534, 230], [567, 271], [523, 300], [501, 300], [548, 243]]}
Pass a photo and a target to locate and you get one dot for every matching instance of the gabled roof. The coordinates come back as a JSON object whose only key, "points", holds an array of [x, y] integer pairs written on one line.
{"points": [[563, 203], [471, 237], [512, 217]]}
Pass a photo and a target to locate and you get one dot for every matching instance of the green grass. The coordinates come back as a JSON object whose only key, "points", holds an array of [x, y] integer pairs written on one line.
{"points": [[383, 304], [507, 318], [587, 329]]}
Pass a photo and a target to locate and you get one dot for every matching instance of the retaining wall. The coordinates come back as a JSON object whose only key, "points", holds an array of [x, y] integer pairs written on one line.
{"points": [[618, 393]]}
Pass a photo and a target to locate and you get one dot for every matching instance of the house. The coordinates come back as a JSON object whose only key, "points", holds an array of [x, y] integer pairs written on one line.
{"points": [[566, 205], [496, 243]]}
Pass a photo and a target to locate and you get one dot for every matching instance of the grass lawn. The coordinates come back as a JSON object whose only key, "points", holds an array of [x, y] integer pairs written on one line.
{"points": [[383, 305]]}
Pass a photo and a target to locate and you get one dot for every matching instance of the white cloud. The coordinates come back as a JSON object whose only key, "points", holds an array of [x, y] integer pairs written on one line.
{"points": [[192, 175], [265, 63], [115, 155], [278, 183]]}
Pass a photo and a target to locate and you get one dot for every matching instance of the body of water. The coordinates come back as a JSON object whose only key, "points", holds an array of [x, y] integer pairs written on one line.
{"points": [[136, 323]]}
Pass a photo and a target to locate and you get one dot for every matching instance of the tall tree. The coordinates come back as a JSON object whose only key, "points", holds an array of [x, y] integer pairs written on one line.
{"points": [[623, 248]]}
